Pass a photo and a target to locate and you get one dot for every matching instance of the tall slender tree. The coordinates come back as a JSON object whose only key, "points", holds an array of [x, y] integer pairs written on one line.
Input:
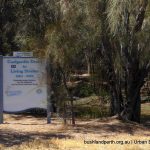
{"points": [[127, 23]]}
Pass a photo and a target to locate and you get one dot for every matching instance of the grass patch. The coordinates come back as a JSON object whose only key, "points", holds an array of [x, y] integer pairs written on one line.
{"points": [[79, 144], [91, 112], [91, 107], [145, 108], [145, 114]]}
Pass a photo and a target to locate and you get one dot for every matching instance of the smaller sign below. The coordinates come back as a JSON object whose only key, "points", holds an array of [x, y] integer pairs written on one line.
{"points": [[23, 54]]}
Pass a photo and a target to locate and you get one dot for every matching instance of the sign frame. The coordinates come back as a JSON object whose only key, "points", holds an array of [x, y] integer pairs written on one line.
{"points": [[1, 89], [9, 78], [48, 99]]}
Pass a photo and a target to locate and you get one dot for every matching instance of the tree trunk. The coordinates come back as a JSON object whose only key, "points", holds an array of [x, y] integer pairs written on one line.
{"points": [[65, 114], [72, 112], [116, 100], [113, 102], [69, 94], [88, 60], [137, 108], [132, 110]]}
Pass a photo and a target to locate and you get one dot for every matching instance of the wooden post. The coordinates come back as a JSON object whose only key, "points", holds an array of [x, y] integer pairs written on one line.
{"points": [[1, 89]]}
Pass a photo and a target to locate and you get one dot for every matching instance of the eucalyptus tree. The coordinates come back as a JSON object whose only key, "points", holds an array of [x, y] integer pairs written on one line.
{"points": [[77, 30], [113, 35], [21, 20], [129, 27], [8, 26], [66, 38]]}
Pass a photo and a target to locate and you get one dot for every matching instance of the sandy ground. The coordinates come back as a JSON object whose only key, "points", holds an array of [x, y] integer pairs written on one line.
{"points": [[23, 128]]}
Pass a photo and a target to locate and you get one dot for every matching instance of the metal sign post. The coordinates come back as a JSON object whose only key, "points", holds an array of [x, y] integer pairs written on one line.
{"points": [[49, 107], [1, 89], [48, 102], [48, 110]]}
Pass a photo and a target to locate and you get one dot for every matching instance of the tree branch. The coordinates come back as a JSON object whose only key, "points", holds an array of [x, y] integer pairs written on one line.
{"points": [[140, 16]]}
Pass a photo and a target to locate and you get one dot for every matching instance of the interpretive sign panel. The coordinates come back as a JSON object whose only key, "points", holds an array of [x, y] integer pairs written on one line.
{"points": [[24, 84]]}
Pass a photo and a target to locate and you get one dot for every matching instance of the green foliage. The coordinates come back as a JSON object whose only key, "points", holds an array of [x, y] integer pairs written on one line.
{"points": [[101, 32], [91, 107], [89, 112], [8, 17], [122, 17], [85, 90]]}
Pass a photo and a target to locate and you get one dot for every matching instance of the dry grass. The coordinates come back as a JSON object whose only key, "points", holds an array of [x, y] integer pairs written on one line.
{"points": [[21, 132], [78, 144]]}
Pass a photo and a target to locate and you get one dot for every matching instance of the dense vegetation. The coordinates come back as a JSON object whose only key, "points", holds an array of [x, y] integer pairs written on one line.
{"points": [[107, 39]]}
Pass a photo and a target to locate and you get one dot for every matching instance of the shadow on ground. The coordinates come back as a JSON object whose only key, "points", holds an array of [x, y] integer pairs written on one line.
{"points": [[111, 126], [145, 120], [10, 138], [110, 129]]}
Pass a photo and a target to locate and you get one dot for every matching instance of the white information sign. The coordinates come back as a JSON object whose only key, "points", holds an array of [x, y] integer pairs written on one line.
{"points": [[24, 84]]}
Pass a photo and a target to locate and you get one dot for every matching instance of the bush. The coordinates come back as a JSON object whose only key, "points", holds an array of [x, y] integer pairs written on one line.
{"points": [[84, 90], [91, 112]]}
